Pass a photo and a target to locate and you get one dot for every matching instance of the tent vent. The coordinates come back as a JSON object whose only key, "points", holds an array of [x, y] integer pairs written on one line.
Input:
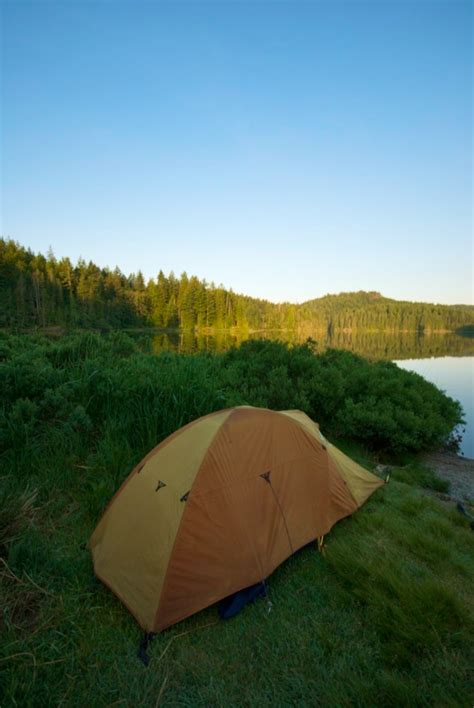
{"points": [[185, 497], [160, 485], [266, 477]]}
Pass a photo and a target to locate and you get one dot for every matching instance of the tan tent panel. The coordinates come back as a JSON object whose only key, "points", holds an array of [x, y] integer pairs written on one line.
{"points": [[217, 506]]}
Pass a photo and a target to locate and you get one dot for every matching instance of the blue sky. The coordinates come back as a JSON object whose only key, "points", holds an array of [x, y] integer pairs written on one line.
{"points": [[285, 149]]}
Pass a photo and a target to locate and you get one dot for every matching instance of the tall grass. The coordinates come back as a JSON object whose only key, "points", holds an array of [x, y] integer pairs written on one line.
{"points": [[385, 617]]}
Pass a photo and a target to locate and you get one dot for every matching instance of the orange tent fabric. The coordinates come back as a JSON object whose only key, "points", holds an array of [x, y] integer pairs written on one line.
{"points": [[217, 506]]}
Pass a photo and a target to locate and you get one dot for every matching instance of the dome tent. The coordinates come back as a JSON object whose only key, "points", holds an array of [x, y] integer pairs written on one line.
{"points": [[217, 506]]}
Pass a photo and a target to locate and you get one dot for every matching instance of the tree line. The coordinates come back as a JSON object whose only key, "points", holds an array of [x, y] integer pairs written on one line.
{"points": [[41, 291]]}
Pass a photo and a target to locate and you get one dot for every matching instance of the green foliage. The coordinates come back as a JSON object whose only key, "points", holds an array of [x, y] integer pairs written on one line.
{"points": [[80, 386], [384, 618], [377, 404], [41, 292]]}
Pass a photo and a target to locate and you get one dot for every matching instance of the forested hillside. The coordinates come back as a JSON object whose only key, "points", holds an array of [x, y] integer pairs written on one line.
{"points": [[40, 291]]}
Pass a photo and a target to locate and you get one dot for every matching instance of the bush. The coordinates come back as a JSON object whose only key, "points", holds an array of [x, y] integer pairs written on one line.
{"points": [[376, 404], [90, 385]]}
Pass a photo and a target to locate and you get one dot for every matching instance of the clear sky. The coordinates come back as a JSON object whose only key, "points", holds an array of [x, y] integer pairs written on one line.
{"points": [[285, 149]]}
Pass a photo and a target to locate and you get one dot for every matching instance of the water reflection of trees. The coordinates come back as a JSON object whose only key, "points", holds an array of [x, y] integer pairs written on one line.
{"points": [[376, 345]]}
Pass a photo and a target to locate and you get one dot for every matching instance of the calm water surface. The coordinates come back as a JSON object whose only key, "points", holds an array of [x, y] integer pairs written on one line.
{"points": [[446, 360], [455, 375]]}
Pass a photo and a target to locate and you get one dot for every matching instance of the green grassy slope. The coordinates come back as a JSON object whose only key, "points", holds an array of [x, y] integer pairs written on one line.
{"points": [[384, 617]]}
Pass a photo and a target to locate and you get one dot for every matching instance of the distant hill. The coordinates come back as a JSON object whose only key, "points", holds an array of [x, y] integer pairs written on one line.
{"points": [[37, 290], [370, 310]]}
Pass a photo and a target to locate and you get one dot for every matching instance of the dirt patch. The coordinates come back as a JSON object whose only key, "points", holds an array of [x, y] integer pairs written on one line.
{"points": [[458, 471]]}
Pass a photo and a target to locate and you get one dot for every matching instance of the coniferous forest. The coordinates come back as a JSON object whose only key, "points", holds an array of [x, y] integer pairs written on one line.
{"points": [[42, 291]]}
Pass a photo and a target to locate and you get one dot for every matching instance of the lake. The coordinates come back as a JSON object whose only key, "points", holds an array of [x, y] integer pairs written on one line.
{"points": [[455, 375], [445, 359]]}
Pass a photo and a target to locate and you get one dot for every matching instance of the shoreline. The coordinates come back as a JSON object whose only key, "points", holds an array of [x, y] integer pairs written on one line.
{"points": [[457, 470], [210, 331]]}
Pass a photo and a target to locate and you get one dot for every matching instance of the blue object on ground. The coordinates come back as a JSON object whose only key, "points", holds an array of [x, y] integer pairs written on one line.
{"points": [[232, 604]]}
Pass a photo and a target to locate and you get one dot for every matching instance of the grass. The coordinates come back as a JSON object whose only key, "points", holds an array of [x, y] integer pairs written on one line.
{"points": [[384, 617], [422, 475]]}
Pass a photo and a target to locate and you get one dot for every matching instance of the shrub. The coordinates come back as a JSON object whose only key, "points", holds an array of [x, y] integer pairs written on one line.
{"points": [[88, 383], [377, 404]]}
